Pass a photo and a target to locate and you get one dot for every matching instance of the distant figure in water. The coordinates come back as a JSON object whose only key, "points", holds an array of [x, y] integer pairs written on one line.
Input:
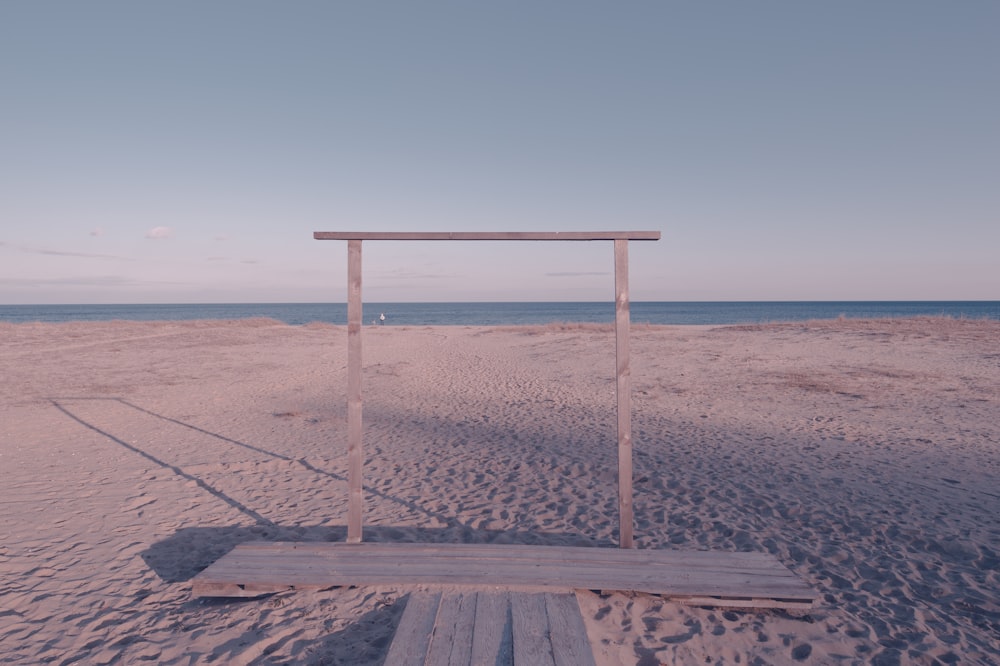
{"points": [[381, 319]]}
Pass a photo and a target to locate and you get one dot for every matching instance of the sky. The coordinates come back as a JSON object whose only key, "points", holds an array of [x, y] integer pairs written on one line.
{"points": [[186, 151]]}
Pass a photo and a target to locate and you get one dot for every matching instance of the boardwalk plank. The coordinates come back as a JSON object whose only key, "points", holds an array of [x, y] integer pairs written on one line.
{"points": [[451, 644], [570, 645], [413, 635], [530, 626], [491, 636], [704, 578]]}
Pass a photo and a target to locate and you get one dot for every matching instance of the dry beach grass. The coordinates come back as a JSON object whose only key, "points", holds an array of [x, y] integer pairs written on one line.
{"points": [[862, 454]]}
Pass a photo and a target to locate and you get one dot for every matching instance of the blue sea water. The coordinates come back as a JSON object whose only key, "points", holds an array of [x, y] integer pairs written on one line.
{"points": [[508, 314]]}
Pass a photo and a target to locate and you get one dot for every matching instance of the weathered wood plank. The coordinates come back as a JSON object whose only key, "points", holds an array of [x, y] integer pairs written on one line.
{"points": [[319, 566], [744, 579], [252, 565], [503, 552], [492, 635], [487, 235], [712, 584], [740, 602], [728, 591], [570, 644], [530, 628], [710, 576], [355, 454], [451, 643], [386, 556], [413, 635], [624, 395]]}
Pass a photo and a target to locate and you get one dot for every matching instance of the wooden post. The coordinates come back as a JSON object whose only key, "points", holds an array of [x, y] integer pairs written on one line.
{"points": [[624, 393], [355, 455]]}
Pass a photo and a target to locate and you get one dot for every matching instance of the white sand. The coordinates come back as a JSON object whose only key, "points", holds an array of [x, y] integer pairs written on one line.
{"points": [[864, 455]]}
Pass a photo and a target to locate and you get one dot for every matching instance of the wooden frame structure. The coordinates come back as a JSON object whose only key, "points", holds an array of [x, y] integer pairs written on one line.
{"points": [[696, 577], [355, 453]]}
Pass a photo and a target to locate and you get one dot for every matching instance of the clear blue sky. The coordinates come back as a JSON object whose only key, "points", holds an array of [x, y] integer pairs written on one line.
{"points": [[186, 151]]}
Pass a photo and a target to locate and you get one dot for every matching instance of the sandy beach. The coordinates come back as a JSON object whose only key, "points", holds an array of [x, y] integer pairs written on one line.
{"points": [[864, 455]]}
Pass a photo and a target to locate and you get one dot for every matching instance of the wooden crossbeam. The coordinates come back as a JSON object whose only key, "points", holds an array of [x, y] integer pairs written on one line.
{"points": [[487, 235]]}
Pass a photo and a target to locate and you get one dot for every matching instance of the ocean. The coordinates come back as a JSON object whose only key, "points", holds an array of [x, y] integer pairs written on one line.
{"points": [[510, 314]]}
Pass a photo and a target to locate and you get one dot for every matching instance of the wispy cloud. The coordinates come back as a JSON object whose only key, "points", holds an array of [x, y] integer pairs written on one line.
{"points": [[220, 237], [97, 231], [158, 233], [404, 274], [64, 253], [85, 281], [223, 258], [87, 255]]}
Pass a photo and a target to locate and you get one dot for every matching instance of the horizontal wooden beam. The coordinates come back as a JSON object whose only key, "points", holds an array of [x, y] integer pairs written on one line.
{"points": [[742, 579], [488, 235]]}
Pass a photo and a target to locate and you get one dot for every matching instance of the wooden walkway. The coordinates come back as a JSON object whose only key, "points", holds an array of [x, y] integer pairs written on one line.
{"points": [[693, 577], [490, 628]]}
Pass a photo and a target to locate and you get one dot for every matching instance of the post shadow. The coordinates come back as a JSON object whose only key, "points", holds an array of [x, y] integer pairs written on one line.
{"points": [[451, 521], [189, 550], [215, 492]]}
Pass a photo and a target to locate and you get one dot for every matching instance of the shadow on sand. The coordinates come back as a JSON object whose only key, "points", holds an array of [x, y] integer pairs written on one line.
{"points": [[190, 550]]}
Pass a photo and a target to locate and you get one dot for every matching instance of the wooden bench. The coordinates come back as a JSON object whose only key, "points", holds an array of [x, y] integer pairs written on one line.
{"points": [[449, 628]]}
